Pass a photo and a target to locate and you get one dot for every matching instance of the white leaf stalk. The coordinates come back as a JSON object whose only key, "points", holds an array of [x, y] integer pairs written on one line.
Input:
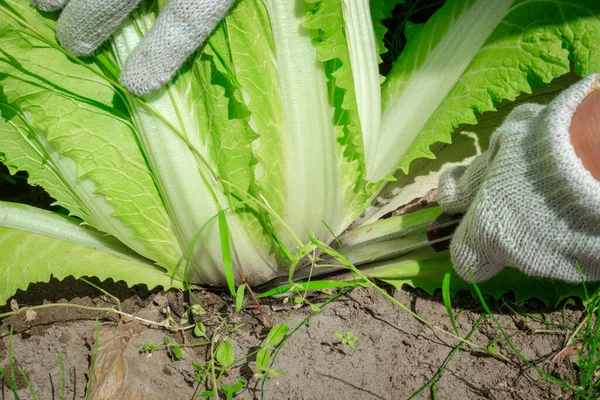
{"points": [[312, 175], [365, 72], [191, 195]]}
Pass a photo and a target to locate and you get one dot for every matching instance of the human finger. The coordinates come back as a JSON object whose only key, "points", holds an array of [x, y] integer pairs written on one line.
{"points": [[585, 133]]}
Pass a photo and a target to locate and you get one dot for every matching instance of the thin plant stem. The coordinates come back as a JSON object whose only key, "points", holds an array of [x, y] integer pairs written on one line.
{"points": [[115, 298], [91, 308], [244, 281], [213, 376]]}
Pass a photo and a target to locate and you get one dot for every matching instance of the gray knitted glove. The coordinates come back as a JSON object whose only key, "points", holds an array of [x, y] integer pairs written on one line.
{"points": [[529, 201], [181, 28]]}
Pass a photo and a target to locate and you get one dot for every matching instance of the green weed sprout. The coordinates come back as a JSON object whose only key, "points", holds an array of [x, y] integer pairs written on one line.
{"points": [[349, 339]]}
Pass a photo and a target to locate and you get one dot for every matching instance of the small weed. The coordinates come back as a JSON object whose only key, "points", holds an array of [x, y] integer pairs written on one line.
{"points": [[200, 330], [149, 348], [263, 357], [231, 390], [349, 339], [585, 342], [173, 348], [222, 359]]}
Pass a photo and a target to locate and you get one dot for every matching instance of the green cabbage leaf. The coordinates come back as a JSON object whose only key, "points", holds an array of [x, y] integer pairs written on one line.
{"points": [[279, 129]]}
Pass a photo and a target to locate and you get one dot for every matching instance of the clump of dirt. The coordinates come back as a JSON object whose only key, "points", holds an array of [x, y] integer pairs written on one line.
{"points": [[394, 354]]}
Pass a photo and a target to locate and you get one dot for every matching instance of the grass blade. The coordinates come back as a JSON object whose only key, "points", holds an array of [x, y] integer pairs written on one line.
{"points": [[447, 300], [312, 285], [33, 396], [226, 251], [11, 364], [88, 390], [62, 375], [285, 252], [11, 387]]}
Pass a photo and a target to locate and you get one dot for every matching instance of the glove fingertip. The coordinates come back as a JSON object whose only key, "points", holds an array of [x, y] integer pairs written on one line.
{"points": [[181, 28], [69, 37], [85, 24], [140, 80], [74, 46], [49, 5]]}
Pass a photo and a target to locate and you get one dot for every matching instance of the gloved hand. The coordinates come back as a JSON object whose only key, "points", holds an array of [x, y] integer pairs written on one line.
{"points": [[530, 202], [181, 28]]}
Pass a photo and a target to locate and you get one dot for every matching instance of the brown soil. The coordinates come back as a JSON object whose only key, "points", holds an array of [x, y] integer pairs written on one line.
{"points": [[394, 356]]}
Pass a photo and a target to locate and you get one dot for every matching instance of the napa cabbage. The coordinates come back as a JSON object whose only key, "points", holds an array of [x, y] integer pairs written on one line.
{"points": [[279, 129]]}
